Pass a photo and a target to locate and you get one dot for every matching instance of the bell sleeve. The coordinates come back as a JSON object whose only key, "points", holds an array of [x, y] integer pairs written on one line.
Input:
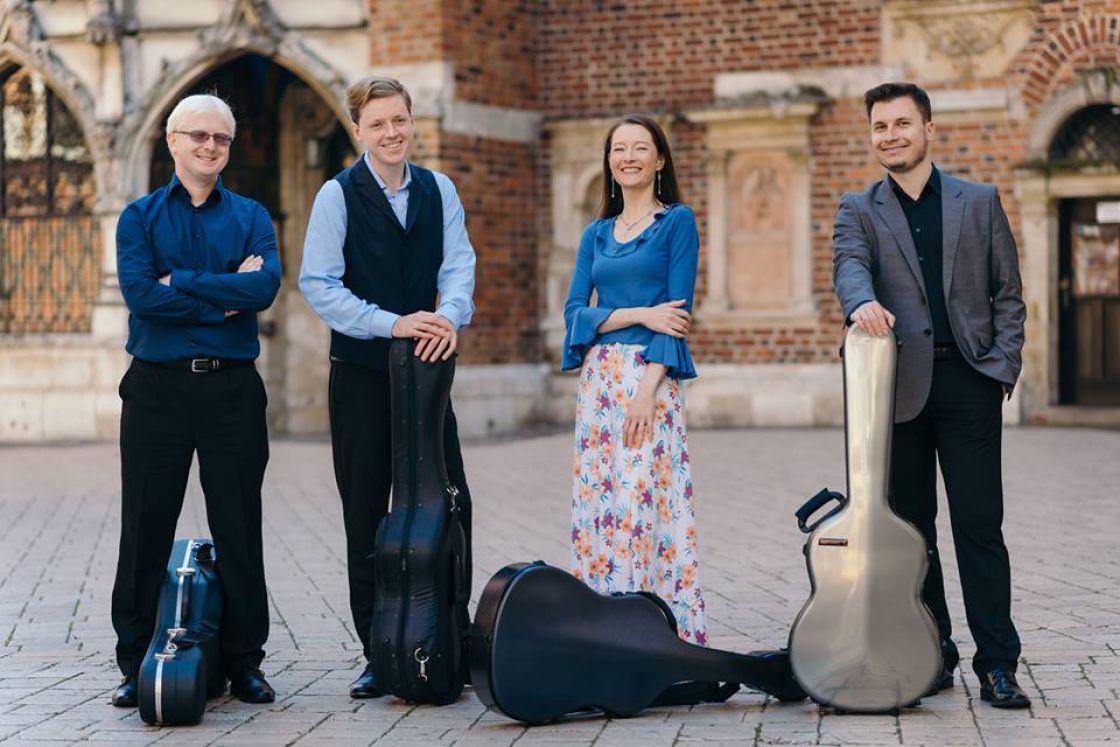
{"points": [[684, 253], [580, 319]]}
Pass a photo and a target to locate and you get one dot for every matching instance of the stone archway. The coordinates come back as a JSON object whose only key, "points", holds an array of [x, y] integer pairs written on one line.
{"points": [[50, 248], [1043, 188], [289, 141]]}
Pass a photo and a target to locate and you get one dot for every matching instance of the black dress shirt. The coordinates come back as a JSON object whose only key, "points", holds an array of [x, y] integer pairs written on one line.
{"points": [[924, 218]]}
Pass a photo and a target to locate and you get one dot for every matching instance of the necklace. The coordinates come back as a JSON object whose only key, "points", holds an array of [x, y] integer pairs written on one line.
{"points": [[628, 226]]}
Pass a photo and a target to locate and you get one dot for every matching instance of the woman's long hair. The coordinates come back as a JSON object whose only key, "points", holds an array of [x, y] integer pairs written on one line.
{"points": [[667, 193]]}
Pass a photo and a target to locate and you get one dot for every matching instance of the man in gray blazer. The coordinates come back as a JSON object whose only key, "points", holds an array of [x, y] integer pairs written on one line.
{"points": [[932, 256]]}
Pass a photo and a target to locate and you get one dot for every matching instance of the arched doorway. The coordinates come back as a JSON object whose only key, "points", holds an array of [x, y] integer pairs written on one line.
{"points": [[50, 246], [289, 141], [1088, 263]]}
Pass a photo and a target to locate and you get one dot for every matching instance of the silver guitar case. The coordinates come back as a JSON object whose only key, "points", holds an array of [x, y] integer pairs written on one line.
{"points": [[865, 641]]}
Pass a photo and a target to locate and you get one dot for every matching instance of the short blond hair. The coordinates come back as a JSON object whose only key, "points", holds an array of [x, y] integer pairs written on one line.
{"points": [[202, 103], [374, 87]]}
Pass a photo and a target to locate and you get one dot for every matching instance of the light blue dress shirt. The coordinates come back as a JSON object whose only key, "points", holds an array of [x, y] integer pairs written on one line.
{"points": [[320, 277]]}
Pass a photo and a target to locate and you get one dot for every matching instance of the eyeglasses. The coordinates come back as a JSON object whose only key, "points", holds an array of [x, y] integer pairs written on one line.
{"points": [[221, 139]]}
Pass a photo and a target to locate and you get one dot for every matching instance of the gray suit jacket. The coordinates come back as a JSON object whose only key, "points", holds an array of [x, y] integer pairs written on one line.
{"points": [[874, 259]]}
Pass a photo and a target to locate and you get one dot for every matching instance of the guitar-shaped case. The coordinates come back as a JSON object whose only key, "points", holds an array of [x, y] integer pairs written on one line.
{"points": [[544, 646], [420, 623], [865, 641], [183, 665]]}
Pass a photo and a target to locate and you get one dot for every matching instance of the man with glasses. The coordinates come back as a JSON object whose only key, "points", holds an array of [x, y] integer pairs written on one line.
{"points": [[195, 262]]}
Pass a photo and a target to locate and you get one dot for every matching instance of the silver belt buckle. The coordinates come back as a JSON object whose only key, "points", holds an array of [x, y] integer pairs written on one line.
{"points": [[200, 365]]}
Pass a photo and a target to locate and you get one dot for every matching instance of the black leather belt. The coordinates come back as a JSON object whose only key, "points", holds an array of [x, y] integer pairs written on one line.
{"points": [[941, 351], [201, 365]]}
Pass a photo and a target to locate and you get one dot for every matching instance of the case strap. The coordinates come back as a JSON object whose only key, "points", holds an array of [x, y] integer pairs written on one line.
{"points": [[814, 504]]}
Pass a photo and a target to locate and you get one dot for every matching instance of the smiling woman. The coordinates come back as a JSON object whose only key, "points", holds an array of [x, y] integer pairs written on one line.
{"points": [[633, 527]]}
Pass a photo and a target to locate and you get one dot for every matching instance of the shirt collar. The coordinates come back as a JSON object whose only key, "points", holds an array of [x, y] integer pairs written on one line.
{"points": [[933, 184], [381, 182], [176, 186]]}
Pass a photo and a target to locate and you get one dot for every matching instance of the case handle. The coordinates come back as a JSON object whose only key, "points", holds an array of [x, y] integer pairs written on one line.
{"points": [[814, 504]]}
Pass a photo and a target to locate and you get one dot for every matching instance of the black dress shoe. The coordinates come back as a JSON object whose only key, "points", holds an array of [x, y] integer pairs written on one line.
{"points": [[364, 686], [998, 687], [125, 695], [250, 686], [943, 682]]}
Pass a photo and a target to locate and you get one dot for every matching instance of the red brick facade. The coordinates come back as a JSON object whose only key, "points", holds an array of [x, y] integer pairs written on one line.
{"points": [[572, 59]]}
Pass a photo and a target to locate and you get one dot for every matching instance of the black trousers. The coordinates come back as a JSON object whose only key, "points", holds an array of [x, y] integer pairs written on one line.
{"points": [[362, 445], [960, 427], [167, 416]]}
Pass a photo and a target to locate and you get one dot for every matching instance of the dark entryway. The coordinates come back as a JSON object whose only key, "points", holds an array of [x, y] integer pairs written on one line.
{"points": [[1089, 301], [289, 141]]}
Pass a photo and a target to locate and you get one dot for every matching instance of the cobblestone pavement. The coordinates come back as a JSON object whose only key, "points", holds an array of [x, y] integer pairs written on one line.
{"points": [[58, 546]]}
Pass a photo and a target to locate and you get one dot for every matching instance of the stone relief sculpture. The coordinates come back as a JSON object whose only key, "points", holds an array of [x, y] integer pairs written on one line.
{"points": [[759, 232]]}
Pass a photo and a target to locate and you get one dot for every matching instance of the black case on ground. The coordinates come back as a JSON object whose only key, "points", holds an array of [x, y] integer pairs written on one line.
{"points": [[420, 618], [182, 667], [544, 646]]}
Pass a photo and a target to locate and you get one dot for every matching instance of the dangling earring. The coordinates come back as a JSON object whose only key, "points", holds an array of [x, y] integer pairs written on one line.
{"points": [[657, 193], [612, 187]]}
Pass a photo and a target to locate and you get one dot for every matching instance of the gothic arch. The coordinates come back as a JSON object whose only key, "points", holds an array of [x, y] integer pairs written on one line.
{"points": [[135, 142], [1093, 39], [73, 93], [1098, 88]]}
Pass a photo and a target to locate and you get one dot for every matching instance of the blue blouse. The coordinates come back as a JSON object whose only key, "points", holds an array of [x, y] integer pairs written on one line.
{"points": [[657, 266]]}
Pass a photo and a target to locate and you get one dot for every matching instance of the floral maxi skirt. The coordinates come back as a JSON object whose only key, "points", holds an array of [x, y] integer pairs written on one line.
{"points": [[633, 527]]}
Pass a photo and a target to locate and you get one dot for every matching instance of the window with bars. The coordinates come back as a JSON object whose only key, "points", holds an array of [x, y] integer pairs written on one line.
{"points": [[1091, 135], [49, 244]]}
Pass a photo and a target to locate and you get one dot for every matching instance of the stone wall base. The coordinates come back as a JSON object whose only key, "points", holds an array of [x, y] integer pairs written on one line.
{"points": [[59, 389], [54, 390]]}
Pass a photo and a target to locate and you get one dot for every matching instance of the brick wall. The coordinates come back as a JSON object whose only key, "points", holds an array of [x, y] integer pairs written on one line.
{"points": [[600, 59], [495, 180], [608, 57], [593, 58], [491, 45], [405, 31]]}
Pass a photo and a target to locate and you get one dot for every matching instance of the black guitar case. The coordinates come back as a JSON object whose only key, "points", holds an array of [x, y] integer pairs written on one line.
{"points": [[420, 618], [544, 645], [182, 667]]}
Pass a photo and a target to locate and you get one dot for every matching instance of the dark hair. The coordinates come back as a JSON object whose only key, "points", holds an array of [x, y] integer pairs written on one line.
{"points": [[668, 193], [892, 91]]}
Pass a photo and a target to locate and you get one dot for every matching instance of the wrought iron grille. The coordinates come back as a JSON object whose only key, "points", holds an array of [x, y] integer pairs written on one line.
{"points": [[1092, 135], [49, 244]]}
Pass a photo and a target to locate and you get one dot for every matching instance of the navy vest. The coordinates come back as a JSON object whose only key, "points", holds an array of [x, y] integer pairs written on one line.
{"points": [[393, 266]]}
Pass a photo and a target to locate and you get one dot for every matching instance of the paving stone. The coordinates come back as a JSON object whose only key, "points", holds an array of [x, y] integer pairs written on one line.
{"points": [[59, 532]]}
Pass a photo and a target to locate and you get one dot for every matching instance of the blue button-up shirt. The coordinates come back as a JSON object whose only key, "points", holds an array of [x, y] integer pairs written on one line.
{"points": [[201, 248], [320, 278]]}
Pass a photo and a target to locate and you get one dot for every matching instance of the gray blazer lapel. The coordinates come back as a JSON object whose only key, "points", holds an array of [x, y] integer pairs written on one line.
{"points": [[886, 203], [952, 215]]}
